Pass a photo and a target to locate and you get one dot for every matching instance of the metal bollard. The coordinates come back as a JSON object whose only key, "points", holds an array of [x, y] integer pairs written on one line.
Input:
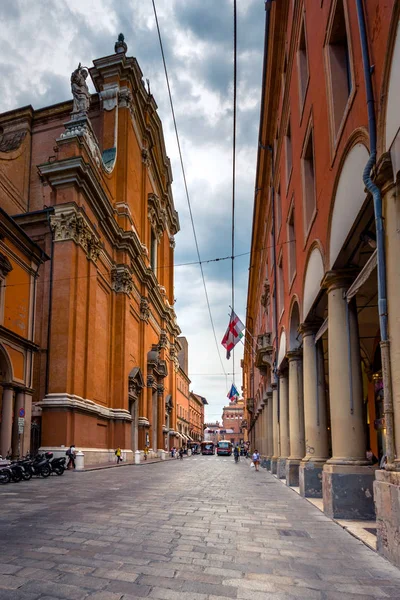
{"points": [[79, 461]]}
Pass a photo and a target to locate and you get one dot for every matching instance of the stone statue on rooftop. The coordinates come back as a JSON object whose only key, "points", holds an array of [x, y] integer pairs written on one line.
{"points": [[120, 45], [80, 92]]}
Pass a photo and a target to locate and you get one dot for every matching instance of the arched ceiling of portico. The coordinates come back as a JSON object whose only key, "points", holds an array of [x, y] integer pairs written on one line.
{"points": [[6, 370], [392, 106], [282, 348], [312, 281], [294, 338], [349, 199]]}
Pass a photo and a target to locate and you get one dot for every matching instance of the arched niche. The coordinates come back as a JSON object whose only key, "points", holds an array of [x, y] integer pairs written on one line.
{"points": [[294, 337], [6, 371], [349, 199], [392, 106], [282, 349], [312, 280]]}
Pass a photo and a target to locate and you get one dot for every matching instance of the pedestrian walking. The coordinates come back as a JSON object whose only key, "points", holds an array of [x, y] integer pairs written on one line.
{"points": [[145, 452], [118, 455], [181, 453], [256, 459], [71, 457]]}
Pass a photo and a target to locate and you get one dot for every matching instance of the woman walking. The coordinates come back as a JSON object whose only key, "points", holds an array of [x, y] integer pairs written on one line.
{"points": [[256, 459]]}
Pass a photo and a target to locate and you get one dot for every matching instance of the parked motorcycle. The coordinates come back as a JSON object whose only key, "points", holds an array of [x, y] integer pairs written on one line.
{"points": [[57, 465], [17, 472], [41, 465], [5, 475]]}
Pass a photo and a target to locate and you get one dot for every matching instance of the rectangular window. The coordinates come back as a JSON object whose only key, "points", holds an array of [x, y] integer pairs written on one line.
{"points": [[153, 251], [302, 63], [289, 159], [291, 245], [308, 168], [339, 63]]}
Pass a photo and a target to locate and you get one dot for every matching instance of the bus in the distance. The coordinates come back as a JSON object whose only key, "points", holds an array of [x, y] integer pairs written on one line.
{"points": [[224, 448], [207, 448]]}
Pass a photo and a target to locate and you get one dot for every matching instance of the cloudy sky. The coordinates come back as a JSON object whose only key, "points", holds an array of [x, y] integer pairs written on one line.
{"points": [[42, 42]]}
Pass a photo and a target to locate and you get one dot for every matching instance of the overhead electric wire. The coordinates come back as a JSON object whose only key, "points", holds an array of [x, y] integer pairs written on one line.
{"points": [[195, 262], [234, 165], [185, 182]]}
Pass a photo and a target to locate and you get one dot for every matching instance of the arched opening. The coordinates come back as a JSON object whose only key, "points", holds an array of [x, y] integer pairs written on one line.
{"points": [[294, 335]]}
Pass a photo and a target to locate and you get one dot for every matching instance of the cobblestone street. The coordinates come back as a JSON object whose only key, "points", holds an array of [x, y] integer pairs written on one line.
{"points": [[199, 529]]}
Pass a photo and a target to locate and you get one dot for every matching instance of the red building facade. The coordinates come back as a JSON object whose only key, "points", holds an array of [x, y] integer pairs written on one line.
{"points": [[319, 386]]}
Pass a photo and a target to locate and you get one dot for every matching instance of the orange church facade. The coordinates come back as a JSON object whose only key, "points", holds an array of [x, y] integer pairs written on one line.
{"points": [[97, 199]]}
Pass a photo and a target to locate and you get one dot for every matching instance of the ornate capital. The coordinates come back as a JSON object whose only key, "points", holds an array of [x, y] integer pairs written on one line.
{"points": [[172, 243], [109, 97], [163, 343], [144, 309], [125, 98], [341, 278], [121, 279], [5, 265], [81, 127], [294, 354], [70, 224], [156, 214], [150, 381]]}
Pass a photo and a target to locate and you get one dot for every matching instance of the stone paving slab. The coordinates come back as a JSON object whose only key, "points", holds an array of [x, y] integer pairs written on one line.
{"points": [[199, 529]]}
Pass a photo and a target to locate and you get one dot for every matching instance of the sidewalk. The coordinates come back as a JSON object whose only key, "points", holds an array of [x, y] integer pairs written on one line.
{"points": [[365, 531], [109, 465]]}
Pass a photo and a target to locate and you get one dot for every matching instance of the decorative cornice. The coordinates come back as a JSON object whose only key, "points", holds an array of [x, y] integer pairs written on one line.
{"points": [[73, 402], [121, 278], [163, 342], [69, 223]]}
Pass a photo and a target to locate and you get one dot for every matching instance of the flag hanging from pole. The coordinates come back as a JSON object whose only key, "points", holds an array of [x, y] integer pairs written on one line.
{"points": [[233, 393], [233, 334]]}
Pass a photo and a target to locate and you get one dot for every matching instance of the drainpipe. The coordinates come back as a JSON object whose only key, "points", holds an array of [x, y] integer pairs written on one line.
{"points": [[380, 245]]}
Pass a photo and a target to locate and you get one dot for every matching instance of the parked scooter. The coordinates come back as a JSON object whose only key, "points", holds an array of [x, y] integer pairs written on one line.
{"points": [[5, 475], [57, 465], [41, 465]]}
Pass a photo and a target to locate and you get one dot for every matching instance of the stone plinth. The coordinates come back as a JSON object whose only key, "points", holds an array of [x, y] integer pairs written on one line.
{"points": [[274, 464], [348, 491], [281, 468], [292, 472], [387, 503], [310, 479]]}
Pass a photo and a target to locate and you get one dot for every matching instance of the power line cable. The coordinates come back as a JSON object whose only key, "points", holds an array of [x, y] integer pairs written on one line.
{"points": [[185, 182], [234, 165]]}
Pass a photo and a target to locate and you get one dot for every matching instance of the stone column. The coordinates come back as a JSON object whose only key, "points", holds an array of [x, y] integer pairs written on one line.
{"points": [[6, 421], [296, 417], [347, 481], [17, 438], [265, 432], [315, 422], [150, 410], [275, 426], [270, 430], [283, 423]]}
